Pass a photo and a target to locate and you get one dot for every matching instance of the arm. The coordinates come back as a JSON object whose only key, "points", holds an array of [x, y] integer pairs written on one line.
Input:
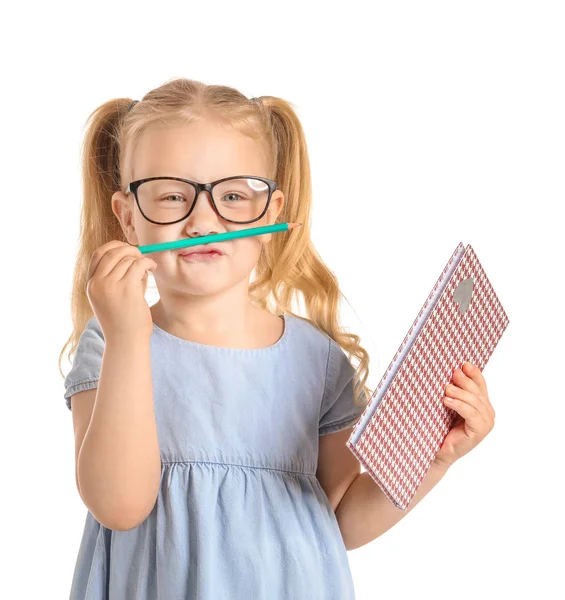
{"points": [[119, 464], [362, 510], [365, 513]]}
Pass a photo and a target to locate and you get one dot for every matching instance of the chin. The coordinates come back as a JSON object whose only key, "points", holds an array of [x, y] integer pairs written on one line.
{"points": [[205, 286]]}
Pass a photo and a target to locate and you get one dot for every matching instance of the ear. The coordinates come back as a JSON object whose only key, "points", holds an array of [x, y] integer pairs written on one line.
{"points": [[275, 206], [122, 207]]}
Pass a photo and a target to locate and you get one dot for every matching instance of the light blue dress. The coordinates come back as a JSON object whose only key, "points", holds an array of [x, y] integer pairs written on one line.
{"points": [[240, 514]]}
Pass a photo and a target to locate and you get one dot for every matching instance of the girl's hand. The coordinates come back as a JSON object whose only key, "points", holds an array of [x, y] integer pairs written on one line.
{"points": [[469, 398], [114, 286]]}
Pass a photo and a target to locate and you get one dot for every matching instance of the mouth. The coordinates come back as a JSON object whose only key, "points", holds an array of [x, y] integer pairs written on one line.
{"points": [[204, 250], [201, 254]]}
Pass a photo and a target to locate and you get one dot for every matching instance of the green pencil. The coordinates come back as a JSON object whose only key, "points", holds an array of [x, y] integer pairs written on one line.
{"points": [[219, 237]]}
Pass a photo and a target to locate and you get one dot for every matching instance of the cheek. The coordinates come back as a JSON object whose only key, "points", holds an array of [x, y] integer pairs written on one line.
{"points": [[149, 233], [245, 254]]}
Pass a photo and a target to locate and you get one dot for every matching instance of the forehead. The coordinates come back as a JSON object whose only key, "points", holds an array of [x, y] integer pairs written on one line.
{"points": [[201, 151]]}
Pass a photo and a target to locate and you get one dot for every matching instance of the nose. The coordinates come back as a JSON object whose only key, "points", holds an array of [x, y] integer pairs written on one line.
{"points": [[203, 219]]}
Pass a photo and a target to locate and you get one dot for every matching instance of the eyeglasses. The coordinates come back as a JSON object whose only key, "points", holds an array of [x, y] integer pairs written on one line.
{"points": [[238, 199]]}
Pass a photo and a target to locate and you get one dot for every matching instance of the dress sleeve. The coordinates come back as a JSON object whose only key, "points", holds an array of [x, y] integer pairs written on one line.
{"points": [[338, 409], [87, 361]]}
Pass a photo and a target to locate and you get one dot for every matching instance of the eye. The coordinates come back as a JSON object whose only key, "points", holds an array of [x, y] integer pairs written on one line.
{"points": [[230, 194], [173, 196]]}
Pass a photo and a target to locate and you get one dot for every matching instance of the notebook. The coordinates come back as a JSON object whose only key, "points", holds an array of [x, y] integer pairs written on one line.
{"points": [[405, 422]]}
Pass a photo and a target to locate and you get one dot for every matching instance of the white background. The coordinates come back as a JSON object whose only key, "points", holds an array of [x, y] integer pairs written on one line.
{"points": [[428, 123]]}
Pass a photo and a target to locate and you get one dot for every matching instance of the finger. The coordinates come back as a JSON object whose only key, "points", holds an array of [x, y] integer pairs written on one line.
{"points": [[466, 397], [97, 256], [470, 384], [138, 269], [476, 375], [121, 268], [473, 417], [113, 257], [466, 383]]}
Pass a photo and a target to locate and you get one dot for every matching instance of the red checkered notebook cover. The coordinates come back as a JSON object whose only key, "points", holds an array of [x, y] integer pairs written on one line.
{"points": [[405, 422]]}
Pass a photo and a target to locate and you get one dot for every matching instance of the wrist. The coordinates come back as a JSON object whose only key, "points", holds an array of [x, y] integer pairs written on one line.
{"points": [[441, 465]]}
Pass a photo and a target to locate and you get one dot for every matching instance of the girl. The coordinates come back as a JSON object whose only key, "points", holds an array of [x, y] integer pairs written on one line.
{"points": [[210, 427]]}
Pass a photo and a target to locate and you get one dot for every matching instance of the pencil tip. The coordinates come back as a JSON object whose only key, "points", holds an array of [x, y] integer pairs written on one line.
{"points": [[293, 225]]}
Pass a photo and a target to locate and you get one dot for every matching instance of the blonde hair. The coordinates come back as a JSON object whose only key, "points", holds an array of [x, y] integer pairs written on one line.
{"points": [[284, 269]]}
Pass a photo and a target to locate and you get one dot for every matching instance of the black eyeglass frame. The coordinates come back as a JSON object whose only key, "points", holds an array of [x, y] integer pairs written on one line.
{"points": [[200, 187]]}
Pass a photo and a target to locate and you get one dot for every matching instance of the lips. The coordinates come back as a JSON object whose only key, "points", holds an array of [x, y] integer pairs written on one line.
{"points": [[204, 249]]}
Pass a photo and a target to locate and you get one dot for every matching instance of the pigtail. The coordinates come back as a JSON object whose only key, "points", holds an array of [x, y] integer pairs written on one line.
{"points": [[286, 271], [100, 155]]}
